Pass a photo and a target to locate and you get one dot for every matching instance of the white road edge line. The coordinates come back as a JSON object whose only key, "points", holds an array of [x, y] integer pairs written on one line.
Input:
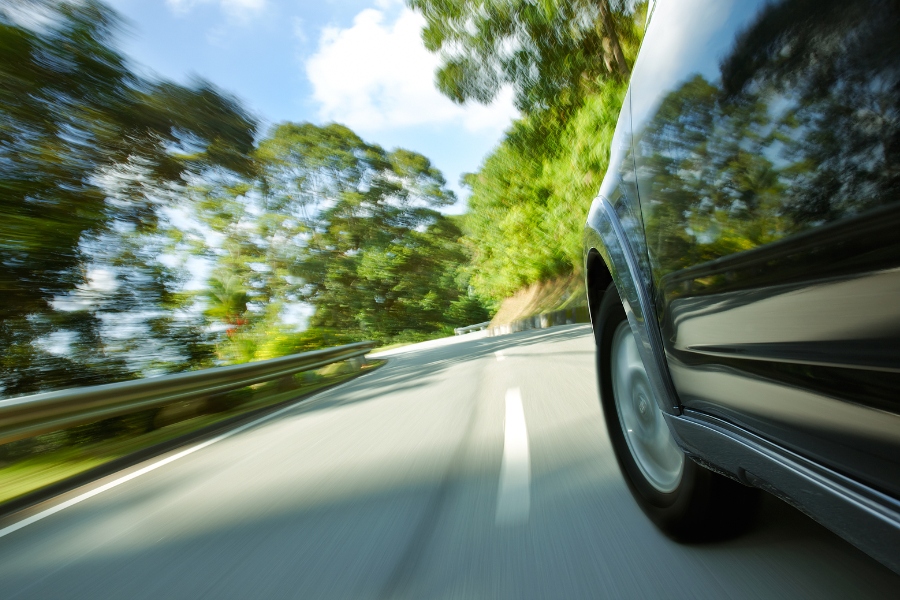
{"points": [[499, 354], [514, 497], [117, 482]]}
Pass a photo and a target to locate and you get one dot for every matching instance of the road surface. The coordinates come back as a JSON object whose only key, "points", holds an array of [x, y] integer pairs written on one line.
{"points": [[467, 468]]}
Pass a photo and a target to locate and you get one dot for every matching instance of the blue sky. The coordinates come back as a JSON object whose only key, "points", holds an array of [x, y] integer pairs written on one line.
{"points": [[356, 62]]}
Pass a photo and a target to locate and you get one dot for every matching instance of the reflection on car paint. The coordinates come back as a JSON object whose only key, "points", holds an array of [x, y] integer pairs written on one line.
{"points": [[766, 156]]}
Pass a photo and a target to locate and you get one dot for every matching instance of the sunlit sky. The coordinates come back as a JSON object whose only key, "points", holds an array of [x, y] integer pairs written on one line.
{"points": [[356, 62]]}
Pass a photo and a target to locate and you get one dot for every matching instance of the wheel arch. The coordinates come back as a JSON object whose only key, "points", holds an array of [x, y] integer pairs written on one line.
{"points": [[609, 258], [597, 279]]}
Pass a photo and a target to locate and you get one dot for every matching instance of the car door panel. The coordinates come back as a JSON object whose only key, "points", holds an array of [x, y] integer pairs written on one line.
{"points": [[767, 155]]}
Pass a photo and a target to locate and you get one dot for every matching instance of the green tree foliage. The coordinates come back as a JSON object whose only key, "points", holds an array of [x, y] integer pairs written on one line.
{"points": [[568, 63], [114, 187], [242, 293], [552, 52], [369, 249], [89, 153], [528, 206]]}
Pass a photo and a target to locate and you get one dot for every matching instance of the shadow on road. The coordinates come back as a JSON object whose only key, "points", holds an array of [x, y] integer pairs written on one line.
{"points": [[403, 372], [286, 532]]}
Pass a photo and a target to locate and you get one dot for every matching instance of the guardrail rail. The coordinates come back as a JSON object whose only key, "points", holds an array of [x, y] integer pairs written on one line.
{"points": [[566, 316], [26, 416], [468, 328]]}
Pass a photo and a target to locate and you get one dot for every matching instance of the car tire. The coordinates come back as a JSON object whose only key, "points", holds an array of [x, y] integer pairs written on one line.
{"points": [[685, 500]]}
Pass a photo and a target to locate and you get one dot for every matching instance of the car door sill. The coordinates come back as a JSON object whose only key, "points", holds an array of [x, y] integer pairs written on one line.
{"points": [[869, 519]]}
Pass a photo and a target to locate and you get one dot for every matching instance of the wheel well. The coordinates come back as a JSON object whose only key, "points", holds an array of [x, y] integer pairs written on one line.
{"points": [[598, 279]]}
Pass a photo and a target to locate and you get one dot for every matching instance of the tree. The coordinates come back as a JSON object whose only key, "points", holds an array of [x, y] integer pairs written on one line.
{"points": [[369, 249], [527, 207], [568, 63], [89, 151], [552, 53]]}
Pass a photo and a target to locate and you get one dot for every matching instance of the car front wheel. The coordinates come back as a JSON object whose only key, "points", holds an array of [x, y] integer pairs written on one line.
{"points": [[686, 501]]}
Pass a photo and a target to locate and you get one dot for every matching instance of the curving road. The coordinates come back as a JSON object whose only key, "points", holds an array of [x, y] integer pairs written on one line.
{"points": [[467, 468]]}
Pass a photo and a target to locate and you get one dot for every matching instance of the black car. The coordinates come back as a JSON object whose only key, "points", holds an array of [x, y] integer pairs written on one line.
{"points": [[743, 267]]}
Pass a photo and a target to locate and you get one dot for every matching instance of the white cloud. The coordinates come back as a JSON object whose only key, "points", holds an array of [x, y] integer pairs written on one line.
{"points": [[377, 75], [236, 8]]}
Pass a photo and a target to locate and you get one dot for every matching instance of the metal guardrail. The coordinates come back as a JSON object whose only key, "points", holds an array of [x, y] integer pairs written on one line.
{"points": [[468, 328], [566, 316], [27, 416]]}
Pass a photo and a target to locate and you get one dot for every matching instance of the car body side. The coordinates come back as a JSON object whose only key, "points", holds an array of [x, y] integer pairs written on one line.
{"points": [[749, 219]]}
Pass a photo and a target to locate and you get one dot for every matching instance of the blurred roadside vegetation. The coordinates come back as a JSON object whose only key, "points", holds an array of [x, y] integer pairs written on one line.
{"points": [[568, 65], [34, 463], [148, 227]]}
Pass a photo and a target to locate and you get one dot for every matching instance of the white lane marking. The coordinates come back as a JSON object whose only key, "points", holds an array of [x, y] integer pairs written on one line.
{"points": [[514, 498], [499, 354], [117, 482]]}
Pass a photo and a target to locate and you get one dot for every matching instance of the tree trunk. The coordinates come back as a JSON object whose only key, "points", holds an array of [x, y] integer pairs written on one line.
{"points": [[610, 31]]}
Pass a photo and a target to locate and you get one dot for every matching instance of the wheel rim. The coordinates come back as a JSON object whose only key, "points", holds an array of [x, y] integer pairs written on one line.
{"points": [[648, 437]]}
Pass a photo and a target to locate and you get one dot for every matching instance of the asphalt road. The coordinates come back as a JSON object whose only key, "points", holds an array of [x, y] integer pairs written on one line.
{"points": [[452, 472]]}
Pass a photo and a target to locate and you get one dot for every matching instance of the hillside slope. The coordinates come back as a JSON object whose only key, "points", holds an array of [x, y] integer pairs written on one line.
{"points": [[542, 297]]}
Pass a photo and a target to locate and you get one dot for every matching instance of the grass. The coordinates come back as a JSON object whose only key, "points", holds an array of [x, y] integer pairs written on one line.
{"points": [[39, 470]]}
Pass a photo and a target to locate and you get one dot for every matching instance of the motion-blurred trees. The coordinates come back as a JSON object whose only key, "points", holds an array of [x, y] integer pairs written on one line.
{"points": [[552, 53], [143, 230], [370, 251], [89, 154], [567, 63]]}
